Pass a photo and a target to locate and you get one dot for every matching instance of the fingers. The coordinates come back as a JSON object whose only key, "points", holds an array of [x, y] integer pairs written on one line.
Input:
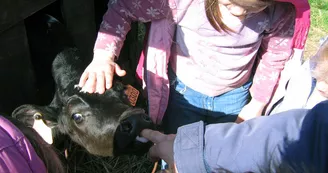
{"points": [[90, 85], [171, 136], [97, 79], [100, 83], [109, 75], [162, 150], [109, 78], [154, 136], [119, 71], [154, 153], [83, 79], [92, 82], [239, 120]]}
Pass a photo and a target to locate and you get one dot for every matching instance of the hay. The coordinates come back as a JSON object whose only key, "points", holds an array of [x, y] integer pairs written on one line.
{"points": [[79, 161]]}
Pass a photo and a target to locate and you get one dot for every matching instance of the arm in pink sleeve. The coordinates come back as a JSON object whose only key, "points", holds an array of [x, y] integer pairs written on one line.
{"points": [[275, 50], [116, 21]]}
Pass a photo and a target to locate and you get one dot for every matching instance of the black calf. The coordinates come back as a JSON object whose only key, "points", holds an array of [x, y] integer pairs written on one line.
{"points": [[105, 124]]}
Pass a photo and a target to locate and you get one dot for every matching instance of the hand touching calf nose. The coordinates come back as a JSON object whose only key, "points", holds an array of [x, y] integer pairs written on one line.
{"points": [[163, 146]]}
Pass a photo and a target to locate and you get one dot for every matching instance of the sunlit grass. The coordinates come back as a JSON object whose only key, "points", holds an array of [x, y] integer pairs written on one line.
{"points": [[319, 25]]}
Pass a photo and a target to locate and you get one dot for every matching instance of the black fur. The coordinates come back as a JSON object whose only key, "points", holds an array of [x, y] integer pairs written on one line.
{"points": [[100, 114], [98, 122]]}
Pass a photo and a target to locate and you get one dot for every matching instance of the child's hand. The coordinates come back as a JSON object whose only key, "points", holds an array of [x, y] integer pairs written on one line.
{"points": [[253, 109], [99, 75]]}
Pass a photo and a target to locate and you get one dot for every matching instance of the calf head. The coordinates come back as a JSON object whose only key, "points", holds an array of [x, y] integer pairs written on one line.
{"points": [[104, 124]]}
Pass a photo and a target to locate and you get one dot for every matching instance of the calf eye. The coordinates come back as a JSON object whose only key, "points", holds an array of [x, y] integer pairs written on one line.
{"points": [[78, 118], [37, 116]]}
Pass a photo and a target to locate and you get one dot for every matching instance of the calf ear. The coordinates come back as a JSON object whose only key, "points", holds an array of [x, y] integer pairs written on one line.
{"points": [[29, 113], [67, 68], [40, 118]]}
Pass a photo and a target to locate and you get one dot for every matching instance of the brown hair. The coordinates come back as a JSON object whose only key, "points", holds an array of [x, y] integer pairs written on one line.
{"points": [[321, 70], [45, 151], [213, 13]]}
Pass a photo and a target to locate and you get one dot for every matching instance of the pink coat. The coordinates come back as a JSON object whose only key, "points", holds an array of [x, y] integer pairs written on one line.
{"points": [[152, 69], [16, 152], [160, 36]]}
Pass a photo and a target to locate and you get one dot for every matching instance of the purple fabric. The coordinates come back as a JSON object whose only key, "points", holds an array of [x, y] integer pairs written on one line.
{"points": [[16, 152]]}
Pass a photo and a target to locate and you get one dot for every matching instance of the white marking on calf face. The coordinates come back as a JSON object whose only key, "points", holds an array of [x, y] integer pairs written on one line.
{"points": [[43, 130]]}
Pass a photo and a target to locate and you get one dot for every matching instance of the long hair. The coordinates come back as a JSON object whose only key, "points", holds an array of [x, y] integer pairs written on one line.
{"points": [[45, 151], [213, 13]]}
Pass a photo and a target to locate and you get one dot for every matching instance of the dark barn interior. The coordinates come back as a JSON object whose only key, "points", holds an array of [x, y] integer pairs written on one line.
{"points": [[27, 48]]}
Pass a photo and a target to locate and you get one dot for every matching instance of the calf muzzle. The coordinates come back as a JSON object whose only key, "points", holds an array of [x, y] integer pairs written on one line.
{"points": [[127, 138]]}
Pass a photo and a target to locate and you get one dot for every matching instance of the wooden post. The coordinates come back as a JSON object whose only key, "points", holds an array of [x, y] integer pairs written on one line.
{"points": [[17, 84], [16, 71]]}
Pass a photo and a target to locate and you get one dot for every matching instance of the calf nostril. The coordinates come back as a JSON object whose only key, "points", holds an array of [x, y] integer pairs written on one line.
{"points": [[126, 127], [146, 117]]}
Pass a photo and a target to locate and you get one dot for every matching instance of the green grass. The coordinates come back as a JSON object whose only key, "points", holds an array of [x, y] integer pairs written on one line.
{"points": [[320, 4], [319, 26], [319, 14]]}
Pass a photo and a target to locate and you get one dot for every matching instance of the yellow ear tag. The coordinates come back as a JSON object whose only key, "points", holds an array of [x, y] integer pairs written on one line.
{"points": [[132, 94], [43, 130]]}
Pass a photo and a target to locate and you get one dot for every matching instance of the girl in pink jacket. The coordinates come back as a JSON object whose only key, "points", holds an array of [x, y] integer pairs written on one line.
{"points": [[205, 58]]}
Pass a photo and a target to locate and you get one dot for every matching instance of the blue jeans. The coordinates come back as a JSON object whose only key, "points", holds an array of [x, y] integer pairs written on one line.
{"points": [[188, 106]]}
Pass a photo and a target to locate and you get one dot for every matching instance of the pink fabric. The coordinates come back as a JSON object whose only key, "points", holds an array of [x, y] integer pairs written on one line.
{"points": [[163, 17], [158, 97], [157, 80], [16, 152], [302, 22], [220, 62], [275, 51]]}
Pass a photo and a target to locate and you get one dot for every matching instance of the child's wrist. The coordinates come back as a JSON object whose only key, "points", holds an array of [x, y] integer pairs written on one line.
{"points": [[103, 54], [257, 103]]}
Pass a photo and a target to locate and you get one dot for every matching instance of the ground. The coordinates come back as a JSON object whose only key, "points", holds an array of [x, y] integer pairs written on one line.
{"points": [[319, 26]]}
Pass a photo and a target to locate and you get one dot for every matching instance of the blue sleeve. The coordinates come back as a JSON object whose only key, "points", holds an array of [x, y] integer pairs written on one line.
{"points": [[250, 146], [189, 148], [266, 144]]}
